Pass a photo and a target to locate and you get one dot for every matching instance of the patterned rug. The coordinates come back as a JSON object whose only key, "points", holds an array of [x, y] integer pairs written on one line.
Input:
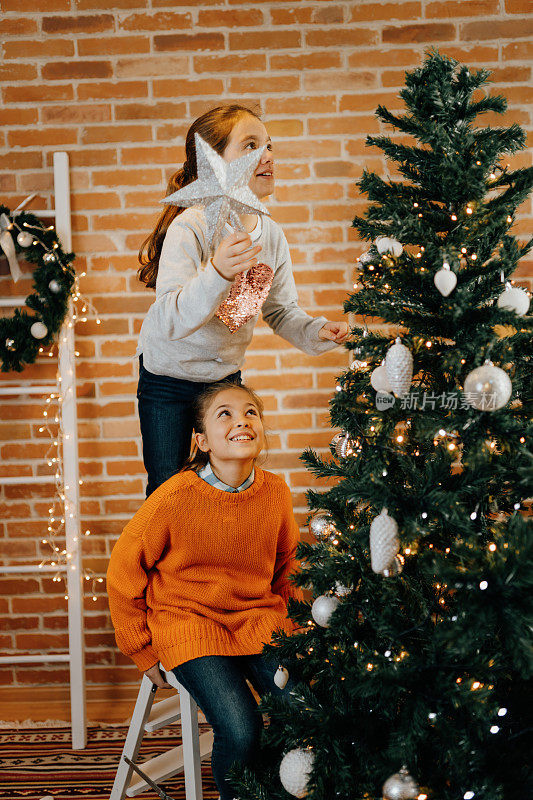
{"points": [[37, 762]]}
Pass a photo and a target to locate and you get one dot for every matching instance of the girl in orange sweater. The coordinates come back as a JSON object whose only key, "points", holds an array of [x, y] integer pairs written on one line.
{"points": [[199, 578]]}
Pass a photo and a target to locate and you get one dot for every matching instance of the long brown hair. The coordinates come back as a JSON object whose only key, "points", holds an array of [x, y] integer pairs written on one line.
{"points": [[214, 127], [199, 458]]}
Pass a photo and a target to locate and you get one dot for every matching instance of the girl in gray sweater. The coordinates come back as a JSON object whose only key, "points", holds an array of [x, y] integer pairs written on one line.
{"points": [[207, 303]]}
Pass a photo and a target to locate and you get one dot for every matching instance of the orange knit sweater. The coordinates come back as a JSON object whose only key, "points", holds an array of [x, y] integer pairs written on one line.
{"points": [[199, 571]]}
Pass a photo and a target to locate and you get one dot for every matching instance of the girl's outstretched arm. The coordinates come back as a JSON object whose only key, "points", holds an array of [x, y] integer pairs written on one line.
{"points": [[283, 314]]}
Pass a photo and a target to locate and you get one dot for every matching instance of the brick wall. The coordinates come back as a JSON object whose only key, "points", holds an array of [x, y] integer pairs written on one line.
{"points": [[116, 85]]}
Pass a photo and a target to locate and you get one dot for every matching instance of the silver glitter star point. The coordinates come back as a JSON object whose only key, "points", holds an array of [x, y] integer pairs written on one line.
{"points": [[221, 188]]}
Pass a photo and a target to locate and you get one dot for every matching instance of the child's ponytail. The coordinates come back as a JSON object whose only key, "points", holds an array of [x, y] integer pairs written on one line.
{"points": [[214, 127]]}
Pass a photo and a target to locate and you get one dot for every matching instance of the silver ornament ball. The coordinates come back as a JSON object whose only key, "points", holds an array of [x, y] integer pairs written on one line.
{"points": [[400, 786], [345, 445], [294, 771], [49, 258], [24, 239], [488, 387], [54, 286], [322, 609], [514, 299], [39, 330], [322, 526]]}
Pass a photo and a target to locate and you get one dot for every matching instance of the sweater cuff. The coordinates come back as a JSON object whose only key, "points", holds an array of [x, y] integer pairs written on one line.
{"points": [[145, 658]]}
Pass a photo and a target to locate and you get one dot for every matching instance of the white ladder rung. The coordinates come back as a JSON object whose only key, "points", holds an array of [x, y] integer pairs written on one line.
{"points": [[53, 658], [164, 713], [166, 765], [11, 302], [22, 568], [19, 480], [42, 213], [19, 390]]}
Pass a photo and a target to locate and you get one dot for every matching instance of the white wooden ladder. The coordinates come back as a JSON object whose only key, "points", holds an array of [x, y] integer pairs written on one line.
{"points": [[67, 389], [185, 758]]}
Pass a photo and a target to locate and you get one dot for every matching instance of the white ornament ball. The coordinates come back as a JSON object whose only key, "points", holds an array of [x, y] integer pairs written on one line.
{"points": [[379, 379], [514, 299], [445, 280], [294, 771], [384, 543], [487, 388], [400, 786], [322, 526], [386, 244], [39, 330], [281, 677], [342, 591], [54, 286], [24, 239], [322, 609], [399, 366]]}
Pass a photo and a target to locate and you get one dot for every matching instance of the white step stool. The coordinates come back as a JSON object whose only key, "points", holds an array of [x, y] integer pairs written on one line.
{"points": [[187, 757]]}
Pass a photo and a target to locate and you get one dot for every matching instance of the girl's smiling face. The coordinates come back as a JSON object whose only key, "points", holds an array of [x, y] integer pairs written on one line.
{"points": [[248, 134], [233, 428]]}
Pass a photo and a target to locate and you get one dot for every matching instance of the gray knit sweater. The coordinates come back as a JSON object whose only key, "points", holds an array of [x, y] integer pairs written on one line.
{"points": [[181, 335]]}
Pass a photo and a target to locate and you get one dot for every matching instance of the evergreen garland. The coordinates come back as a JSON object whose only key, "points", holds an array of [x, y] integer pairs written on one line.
{"points": [[53, 278]]}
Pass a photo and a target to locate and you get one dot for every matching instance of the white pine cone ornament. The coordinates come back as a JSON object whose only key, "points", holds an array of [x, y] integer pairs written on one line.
{"points": [[281, 677], [384, 543], [399, 366], [295, 769]]}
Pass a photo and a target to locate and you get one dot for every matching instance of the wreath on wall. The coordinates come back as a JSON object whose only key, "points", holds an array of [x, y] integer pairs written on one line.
{"points": [[38, 322]]}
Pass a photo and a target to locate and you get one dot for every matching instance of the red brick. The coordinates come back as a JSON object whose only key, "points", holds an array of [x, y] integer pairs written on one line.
{"points": [[150, 67], [188, 41], [91, 5], [109, 488], [77, 23], [116, 133], [104, 449], [482, 30], [338, 79], [76, 114], [67, 70], [35, 6], [291, 16], [337, 37], [18, 116], [424, 32], [230, 18], [11, 73], [145, 111], [170, 88], [264, 40], [456, 8], [162, 20], [124, 90], [39, 48], [43, 642], [301, 104], [518, 6], [251, 62], [305, 61], [18, 26], [372, 12], [113, 45]]}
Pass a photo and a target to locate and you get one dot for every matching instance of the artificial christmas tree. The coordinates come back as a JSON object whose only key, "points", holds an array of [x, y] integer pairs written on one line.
{"points": [[409, 674]]}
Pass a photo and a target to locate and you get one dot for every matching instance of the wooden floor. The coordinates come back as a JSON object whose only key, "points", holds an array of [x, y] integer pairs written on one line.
{"points": [[112, 704]]}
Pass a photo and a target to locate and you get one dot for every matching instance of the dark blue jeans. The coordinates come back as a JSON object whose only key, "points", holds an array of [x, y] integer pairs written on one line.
{"points": [[166, 417], [218, 685]]}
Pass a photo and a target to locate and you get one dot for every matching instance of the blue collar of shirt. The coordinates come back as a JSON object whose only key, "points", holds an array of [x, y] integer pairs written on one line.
{"points": [[207, 474]]}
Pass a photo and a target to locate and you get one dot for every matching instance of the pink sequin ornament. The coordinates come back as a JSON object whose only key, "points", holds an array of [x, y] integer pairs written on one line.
{"points": [[247, 295]]}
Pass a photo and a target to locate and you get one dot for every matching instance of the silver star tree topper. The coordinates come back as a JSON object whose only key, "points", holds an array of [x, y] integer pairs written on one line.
{"points": [[221, 188]]}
